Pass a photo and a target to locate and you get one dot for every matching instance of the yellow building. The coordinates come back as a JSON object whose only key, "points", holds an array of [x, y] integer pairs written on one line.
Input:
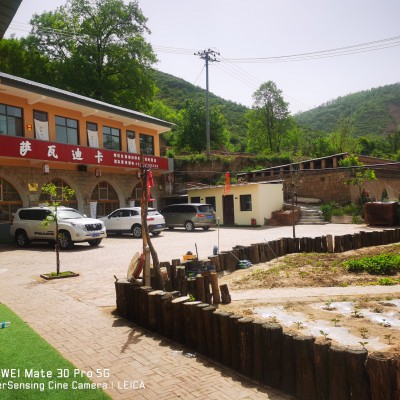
{"points": [[48, 134], [244, 204]]}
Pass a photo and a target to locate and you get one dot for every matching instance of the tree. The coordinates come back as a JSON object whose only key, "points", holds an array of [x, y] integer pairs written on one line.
{"points": [[358, 174], [267, 120], [191, 128], [342, 139], [98, 50], [55, 200], [18, 57]]}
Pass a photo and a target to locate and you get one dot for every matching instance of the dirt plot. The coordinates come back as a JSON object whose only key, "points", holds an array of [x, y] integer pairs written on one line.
{"points": [[372, 322]]}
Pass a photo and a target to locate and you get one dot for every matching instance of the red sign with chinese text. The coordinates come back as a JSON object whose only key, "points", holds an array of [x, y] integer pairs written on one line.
{"points": [[23, 148]]}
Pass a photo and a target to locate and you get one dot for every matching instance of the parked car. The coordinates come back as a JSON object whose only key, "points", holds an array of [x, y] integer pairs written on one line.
{"points": [[189, 216], [129, 220], [73, 227]]}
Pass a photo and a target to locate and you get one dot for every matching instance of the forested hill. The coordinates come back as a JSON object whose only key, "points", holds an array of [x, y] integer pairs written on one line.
{"points": [[174, 92], [375, 111]]}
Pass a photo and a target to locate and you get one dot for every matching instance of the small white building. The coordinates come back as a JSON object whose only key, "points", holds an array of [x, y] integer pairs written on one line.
{"points": [[243, 204]]}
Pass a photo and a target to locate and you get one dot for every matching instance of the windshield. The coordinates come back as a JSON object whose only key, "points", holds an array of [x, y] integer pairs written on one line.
{"points": [[69, 214]]}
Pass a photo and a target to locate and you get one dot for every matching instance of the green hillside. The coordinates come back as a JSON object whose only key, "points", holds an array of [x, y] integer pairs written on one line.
{"points": [[174, 92], [375, 112]]}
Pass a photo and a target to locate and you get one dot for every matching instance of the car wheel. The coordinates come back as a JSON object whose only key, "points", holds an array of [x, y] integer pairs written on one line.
{"points": [[189, 226], [95, 242], [64, 238], [155, 233], [137, 231], [22, 239], [206, 228]]}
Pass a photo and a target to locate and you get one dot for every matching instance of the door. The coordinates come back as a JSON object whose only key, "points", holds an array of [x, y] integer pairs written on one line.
{"points": [[228, 210]]}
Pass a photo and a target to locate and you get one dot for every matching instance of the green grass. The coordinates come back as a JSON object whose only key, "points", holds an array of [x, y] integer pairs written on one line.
{"points": [[26, 354]]}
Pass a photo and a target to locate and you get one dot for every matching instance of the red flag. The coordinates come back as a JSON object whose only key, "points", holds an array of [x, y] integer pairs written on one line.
{"points": [[227, 187], [150, 184]]}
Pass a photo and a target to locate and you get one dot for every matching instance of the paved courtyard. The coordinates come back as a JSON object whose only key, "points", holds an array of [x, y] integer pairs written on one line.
{"points": [[74, 315]]}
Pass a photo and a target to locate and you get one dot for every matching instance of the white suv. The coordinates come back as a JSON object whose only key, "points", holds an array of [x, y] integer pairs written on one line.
{"points": [[73, 227], [129, 220]]}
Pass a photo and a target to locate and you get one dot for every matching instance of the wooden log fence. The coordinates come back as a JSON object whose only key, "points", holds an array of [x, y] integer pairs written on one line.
{"points": [[297, 365]]}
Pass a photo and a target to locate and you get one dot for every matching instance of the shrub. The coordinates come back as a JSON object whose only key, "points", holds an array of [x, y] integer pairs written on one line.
{"points": [[383, 264]]}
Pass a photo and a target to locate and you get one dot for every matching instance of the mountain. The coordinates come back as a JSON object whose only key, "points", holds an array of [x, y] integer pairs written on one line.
{"points": [[174, 92], [375, 112]]}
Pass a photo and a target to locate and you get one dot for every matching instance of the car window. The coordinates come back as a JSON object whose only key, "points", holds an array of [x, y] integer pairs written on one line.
{"points": [[134, 213], [169, 209], [125, 213], [206, 208], [69, 214], [153, 212], [34, 215], [186, 209]]}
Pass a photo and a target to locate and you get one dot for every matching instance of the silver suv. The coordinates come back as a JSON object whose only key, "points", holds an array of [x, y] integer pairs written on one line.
{"points": [[73, 227], [189, 216]]}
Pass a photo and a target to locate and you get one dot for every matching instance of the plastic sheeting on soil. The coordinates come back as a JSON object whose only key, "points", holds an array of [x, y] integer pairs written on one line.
{"points": [[300, 322]]}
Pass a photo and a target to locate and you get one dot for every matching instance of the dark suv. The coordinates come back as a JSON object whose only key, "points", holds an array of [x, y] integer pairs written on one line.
{"points": [[189, 216]]}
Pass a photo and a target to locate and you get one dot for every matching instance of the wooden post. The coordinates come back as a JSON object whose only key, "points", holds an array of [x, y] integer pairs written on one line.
{"points": [[321, 363], [190, 323], [356, 373], [143, 305], [207, 292], [216, 298], [258, 350], [234, 332], [225, 296], [288, 381], [224, 327], [201, 294], [159, 312], [152, 300], [208, 329], [201, 343], [245, 326], [382, 376], [177, 318], [217, 351], [305, 376], [167, 313], [273, 354], [338, 384]]}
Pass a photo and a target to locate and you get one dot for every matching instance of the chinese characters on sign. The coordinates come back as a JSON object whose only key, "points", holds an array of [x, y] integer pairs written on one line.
{"points": [[49, 151]]}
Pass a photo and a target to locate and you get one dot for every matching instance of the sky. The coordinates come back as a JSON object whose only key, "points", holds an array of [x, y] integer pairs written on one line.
{"points": [[255, 37]]}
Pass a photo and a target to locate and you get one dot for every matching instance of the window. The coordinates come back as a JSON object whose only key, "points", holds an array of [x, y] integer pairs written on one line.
{"points": [[146, 144], [195, 199], [11, 120], [92, 133], [211, 201], [106, 197], [66, 130], [111, 138], [245, 202], [10, 201], [131, 142], [41, 123], [59, 184]]}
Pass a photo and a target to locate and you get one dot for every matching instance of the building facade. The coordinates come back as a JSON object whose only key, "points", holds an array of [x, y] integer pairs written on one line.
{"points": [[51, 135], [323, 179], [244, 204]]}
